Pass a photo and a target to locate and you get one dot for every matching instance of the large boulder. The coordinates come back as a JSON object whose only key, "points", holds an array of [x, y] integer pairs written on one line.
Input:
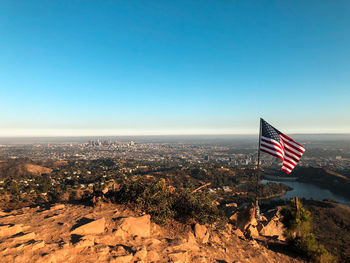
{"points": [[10, 230], [252, 231], [33, 245], [245, 221], [23, 236], [94, 227], [244, 218], [273, 228], [201, 232], [136, 226]]}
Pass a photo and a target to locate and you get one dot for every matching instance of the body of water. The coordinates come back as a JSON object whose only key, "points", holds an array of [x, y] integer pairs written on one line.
{"points": [[304, 190]]}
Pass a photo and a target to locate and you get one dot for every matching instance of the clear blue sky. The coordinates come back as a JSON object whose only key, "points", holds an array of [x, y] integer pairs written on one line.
{"points": [[173, 67]]}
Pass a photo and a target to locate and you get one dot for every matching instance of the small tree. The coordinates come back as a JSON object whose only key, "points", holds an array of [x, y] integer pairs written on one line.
{"points": [[297, 221]]}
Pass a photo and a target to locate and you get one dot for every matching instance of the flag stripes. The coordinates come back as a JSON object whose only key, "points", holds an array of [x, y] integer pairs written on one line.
{"points": [[281, 146]]}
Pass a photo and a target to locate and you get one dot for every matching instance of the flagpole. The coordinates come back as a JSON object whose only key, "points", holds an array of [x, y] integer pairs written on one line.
{"points": [[257, 214]]}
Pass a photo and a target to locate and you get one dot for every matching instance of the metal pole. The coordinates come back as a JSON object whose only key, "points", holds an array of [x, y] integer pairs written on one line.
{"points": [[259, 144], [258, 176]]}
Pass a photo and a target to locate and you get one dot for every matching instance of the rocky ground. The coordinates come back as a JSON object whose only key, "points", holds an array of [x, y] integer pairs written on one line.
{"points": [[111, 233]]}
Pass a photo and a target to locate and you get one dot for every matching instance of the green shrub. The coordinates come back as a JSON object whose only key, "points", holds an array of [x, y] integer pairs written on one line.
{"points": [[156, 200], [299, 233], [162, 202], [200, 206]]}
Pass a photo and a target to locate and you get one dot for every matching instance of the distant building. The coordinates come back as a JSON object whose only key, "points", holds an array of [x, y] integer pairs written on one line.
{"points": [[107, 142]]}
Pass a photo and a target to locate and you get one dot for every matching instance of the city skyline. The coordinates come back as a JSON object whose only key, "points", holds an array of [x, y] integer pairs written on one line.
{"points": [[173, 68]]}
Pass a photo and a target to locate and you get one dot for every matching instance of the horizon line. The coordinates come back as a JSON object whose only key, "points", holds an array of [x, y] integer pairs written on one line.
{"points": [[170, 134]]}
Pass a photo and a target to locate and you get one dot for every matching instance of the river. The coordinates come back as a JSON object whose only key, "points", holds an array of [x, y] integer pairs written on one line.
{"points": [[304, 190]]}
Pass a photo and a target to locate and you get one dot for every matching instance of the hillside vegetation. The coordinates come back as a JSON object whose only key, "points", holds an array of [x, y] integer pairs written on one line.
{"points": [[331, 226]]}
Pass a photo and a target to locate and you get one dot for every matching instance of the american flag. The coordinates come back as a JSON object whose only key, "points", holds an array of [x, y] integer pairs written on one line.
{"points": [[274, 142]]}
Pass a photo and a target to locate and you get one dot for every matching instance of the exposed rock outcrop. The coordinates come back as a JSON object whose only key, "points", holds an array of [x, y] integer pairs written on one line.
{"points": [[137, 226], [272, 227], [10, 230], [76, 233], [201, 232], [93, 227], [244, 220], [268, 226]]}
